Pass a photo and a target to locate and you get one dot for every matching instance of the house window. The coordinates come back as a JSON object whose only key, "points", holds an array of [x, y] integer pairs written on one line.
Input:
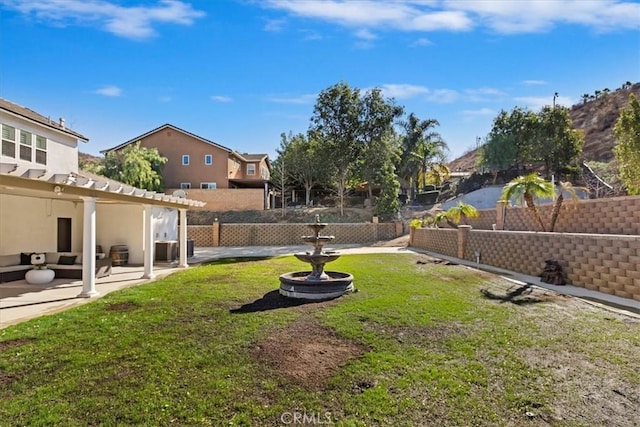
{"points": [[251, 168], [41, 150], [208, 159], [185, 159], [25, 145], [185, 185], [208, 185], [8, 141]]}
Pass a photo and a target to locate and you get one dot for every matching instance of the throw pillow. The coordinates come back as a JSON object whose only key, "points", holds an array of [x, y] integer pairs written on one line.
{"points": [[67, 259], [25, 259]]}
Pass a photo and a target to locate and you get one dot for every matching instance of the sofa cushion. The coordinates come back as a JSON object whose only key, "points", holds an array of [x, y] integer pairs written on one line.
{"points": [[25, 258], [67, 259], [13, 259], [15, 267], [52, 257]]}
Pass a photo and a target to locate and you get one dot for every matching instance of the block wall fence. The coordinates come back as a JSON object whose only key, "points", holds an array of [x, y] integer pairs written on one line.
{"points": [[602, 262], [616, 215], [270, 234]]}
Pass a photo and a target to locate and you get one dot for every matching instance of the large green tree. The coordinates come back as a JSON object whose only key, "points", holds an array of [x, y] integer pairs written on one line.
{"points": [[510, 141], [305, 163], [556, 145], [335, 124], [134, 165], [346, 124], [627, 151]]}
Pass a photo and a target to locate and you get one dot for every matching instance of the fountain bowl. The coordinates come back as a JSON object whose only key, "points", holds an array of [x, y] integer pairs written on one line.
{"points": [[299, 285]]}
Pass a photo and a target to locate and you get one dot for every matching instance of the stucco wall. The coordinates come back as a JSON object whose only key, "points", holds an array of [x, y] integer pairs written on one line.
{"points": [[121, 225], [30, 224], [173, 144], [62, 151], [227, 199]]}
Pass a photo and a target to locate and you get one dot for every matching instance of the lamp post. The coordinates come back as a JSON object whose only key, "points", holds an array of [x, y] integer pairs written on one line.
{"points": [[555, 95]]}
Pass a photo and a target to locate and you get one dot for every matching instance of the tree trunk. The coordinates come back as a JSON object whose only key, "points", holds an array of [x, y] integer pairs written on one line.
{"points": [[307, 195], [534, 211], [556, 211]]}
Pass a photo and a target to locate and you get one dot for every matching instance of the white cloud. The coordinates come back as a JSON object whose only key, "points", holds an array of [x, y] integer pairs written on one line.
{"points": [[484, 94], [462, 15], [134, 22], [421, 42], [365, 35], [274, 25], [111, 91], [443, 96], [481, 112], [302, 99], [534, 82], [403, 91], [220, 98]]}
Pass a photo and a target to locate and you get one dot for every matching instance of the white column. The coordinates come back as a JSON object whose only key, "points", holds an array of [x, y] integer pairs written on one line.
{"points": [[266, 196], [148, 242], [89, 249], [183, 238]]}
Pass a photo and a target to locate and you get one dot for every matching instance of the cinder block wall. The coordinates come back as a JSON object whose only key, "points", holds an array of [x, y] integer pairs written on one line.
{"points": [[289, 234], [440, 240], [616, 215], [202, 235], [605, 263]]}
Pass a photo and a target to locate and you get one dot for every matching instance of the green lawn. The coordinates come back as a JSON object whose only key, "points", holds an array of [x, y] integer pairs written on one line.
{"points": [[418, 344]]}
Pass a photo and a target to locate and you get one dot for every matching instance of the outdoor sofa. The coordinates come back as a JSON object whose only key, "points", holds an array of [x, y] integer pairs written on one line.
{"points": [[67, 265]]}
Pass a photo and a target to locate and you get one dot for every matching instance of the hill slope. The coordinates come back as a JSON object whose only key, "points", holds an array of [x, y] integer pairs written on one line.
{"points": [[596, 118]]}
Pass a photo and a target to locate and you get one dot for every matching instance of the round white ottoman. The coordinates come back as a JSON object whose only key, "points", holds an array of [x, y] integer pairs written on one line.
{"points": [[39, 276]]}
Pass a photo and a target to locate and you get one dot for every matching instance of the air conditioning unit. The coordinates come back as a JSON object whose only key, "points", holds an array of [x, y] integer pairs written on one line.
{"points": [[166, 250]]}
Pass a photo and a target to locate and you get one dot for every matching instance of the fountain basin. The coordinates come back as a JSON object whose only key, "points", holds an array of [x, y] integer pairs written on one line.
{"points": [[299, 284]]}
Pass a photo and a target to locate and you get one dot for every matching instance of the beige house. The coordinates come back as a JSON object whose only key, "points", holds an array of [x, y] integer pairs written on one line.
{"points": [[197, 166], [47, 205]]}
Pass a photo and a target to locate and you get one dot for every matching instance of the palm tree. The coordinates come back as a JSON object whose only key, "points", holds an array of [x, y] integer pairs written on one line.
{"points": [[565, 187], [416, 145], [438, 174], [527, 188], [460, 212]]}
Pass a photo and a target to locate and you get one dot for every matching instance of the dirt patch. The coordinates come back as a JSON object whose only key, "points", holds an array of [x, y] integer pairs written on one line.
{"points": [[121, 306], [306, 353], [6, 345]]}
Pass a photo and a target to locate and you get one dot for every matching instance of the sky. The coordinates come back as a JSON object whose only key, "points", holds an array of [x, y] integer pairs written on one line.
{"points": [[242, 72]]}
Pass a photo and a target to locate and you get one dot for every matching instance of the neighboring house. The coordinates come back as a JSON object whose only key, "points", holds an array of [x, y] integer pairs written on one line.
{"points": [[196, 163], [48, 205]]}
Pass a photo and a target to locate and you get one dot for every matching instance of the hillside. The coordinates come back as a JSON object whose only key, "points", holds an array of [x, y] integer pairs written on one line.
{"points": [[595, 117]]}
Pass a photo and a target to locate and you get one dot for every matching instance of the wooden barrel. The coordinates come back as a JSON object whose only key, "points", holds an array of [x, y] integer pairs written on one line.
{"points": [[119, 254]]}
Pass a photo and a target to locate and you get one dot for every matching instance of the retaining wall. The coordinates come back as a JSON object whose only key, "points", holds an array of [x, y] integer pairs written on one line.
{"points": [[601, 262], [616, 215]]}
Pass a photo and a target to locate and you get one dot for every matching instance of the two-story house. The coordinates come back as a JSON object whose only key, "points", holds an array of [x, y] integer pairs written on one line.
{"points": [[48, 206], [196, 165]]}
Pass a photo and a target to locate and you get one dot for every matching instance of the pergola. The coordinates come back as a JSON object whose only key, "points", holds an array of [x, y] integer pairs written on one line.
{"points": [[91, 190]]}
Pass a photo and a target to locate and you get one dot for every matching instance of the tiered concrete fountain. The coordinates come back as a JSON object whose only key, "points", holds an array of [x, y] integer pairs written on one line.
{"points": [[316, 284]]}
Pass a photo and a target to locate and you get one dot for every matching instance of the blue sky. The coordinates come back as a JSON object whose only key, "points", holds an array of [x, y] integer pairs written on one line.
{"points": [[241, 72]]}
